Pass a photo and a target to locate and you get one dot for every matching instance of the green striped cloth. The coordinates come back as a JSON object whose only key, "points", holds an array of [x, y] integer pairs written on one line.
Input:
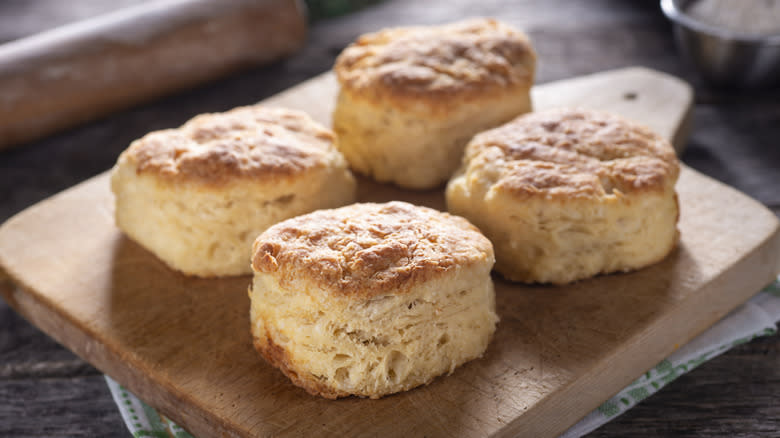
{"points": [[757, 317]]}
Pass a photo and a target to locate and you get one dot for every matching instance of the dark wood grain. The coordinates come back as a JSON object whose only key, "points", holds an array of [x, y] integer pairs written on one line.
{"points": [[734, 395], [78, 406], [46, 391]]}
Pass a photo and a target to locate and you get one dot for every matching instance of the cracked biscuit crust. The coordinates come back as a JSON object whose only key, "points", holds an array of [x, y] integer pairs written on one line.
{"points": [[257, 142], [370, 249], [468, 59], [565, 153]]}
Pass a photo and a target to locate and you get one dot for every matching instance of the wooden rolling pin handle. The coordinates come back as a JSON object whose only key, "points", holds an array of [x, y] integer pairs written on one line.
{"points": [[81, 71]]}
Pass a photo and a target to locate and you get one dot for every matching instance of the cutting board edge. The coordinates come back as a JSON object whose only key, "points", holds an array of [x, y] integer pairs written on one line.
{"points": [[111, 361], [6, 273], [92, 346], [769, 248]]}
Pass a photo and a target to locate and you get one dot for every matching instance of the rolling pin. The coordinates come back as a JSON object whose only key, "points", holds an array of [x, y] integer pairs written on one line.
{"points": [[78, 72]]}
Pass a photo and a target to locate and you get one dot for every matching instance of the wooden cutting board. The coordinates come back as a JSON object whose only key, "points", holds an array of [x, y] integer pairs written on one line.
{"points": [[183, 344]]}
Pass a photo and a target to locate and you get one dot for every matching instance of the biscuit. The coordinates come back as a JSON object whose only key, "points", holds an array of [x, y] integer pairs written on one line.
{"points": [[569, 193], [199, 195], [371, 299], [411, 98]]}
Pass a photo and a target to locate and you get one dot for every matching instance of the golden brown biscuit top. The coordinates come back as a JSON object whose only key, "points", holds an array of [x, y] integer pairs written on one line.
{"points": [[254, 141], [571, 152], [473, 57], [365, 250]]}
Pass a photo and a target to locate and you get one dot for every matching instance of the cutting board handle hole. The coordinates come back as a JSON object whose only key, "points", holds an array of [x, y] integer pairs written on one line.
{"points": [[630, 95]]}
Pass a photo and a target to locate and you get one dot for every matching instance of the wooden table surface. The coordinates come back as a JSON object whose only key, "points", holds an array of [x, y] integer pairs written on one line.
{"points": [[46, 391]]}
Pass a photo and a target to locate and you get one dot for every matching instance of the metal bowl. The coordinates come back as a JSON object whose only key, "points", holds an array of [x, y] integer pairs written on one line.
{"points": [[722, 57]]}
